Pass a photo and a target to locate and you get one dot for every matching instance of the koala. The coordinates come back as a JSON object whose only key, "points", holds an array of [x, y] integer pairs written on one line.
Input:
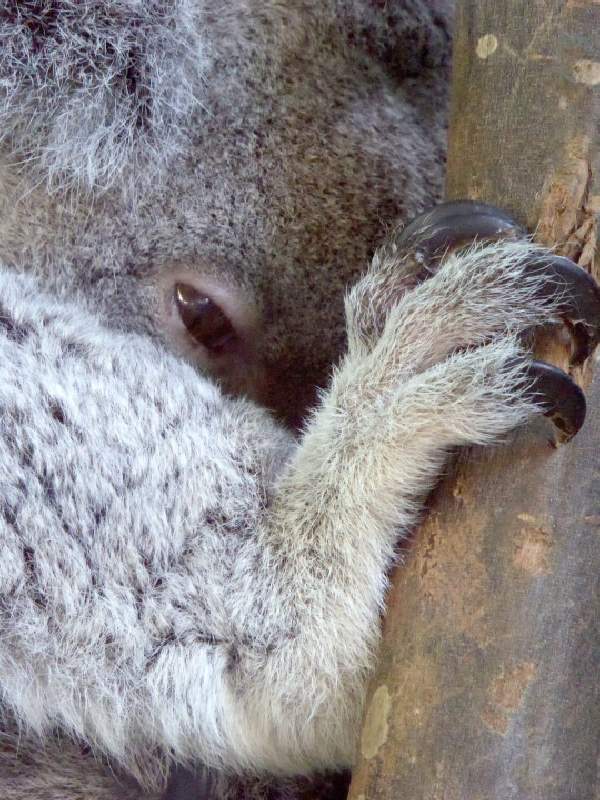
{"points": [[182, 578], [256, 152], [211, 443]]}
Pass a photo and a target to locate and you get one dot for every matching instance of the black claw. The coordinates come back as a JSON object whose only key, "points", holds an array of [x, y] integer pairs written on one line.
{"points": [[452, 225], [581, 304], [560, 397]]}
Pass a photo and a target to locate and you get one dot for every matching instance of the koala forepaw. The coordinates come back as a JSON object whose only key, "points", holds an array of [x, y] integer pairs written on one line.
{"points": [[447, 227], [436, 233]]}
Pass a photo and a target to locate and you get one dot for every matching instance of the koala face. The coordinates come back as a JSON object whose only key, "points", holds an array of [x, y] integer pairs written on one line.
{"points": [[215, 177]]}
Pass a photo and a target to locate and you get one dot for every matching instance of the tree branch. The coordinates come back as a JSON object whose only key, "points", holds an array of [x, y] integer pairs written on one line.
{"points": [[488, 685]]}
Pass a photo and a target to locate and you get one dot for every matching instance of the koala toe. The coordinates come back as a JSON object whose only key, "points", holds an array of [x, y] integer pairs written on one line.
{"points": [[578, 299], [559, 397], [445, 228]]}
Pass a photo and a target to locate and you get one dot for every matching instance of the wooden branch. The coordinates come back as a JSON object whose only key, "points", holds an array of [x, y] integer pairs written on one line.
{"points": [[489, 680]]}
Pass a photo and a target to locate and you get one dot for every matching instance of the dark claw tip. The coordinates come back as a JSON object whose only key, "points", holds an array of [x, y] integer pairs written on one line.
{"points": [[451, 225], [581, 304], [559, 396]]}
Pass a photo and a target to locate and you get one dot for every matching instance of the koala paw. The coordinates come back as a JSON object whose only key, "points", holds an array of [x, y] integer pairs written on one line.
{"points": [[479, 279], [432, 236]]}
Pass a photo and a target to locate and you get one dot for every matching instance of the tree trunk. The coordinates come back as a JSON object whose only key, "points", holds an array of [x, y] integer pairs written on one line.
{"points": [[489, 679]]}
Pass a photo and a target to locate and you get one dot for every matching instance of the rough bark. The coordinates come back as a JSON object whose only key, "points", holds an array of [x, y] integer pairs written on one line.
{"points": [[488, 684]]}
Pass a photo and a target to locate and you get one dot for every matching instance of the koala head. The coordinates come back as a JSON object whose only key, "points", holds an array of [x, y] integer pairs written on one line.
{"points": [[216, 174]]}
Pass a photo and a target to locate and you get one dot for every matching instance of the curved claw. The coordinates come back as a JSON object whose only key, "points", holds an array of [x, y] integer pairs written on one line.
{"points": [[580, 300], [451, 225], [559, 396]]}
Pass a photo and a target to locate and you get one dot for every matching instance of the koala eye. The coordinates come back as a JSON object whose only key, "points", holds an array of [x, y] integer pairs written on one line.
{"points": [[203, 318], [214, 325]]}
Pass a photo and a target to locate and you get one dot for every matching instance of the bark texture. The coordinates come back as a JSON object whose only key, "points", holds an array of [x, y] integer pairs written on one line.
{"points": [[488, 685]]}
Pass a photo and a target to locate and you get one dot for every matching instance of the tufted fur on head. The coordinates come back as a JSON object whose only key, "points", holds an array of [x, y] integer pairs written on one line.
{"points": [[88, 86]]}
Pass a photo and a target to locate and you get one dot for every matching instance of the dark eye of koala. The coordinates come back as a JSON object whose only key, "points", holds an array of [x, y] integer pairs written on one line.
{"points": [[205, 321]]}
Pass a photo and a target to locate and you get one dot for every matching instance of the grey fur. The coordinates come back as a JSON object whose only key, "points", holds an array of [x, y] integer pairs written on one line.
{"points": [[304, 151], [90, 86], [59, 769], [181, 579], [270, 145]]}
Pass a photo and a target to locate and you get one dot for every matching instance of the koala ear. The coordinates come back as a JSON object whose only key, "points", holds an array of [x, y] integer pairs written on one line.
{"points": [[216, 326]]}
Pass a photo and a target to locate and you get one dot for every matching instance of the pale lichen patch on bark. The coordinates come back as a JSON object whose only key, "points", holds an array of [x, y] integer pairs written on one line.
{"points": [[375, 727], [506, 695], [588, 72], [486, 45], [533, 550]]}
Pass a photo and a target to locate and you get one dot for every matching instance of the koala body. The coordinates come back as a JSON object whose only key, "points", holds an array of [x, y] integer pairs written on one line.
{"points": [[186, 579], [183, 580], [264, 147]]}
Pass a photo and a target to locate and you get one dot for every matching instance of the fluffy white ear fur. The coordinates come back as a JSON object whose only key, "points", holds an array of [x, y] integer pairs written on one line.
{"points": [[89, 86]]}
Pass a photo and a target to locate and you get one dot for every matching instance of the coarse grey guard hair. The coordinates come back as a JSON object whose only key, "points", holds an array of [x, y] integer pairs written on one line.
{"points": [[90, 86]]}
